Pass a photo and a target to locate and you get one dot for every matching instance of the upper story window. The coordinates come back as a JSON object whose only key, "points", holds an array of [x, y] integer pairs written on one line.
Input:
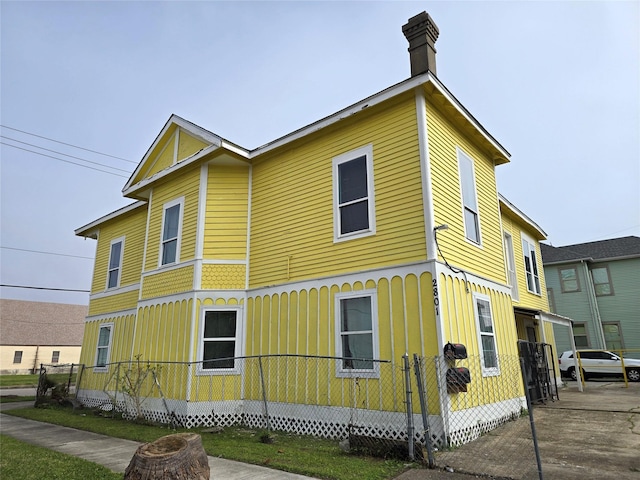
{"points": [[602, 281], [486, 335], [469, 197], [511, 266], [171, 229], [353, 198], [221, 340], [104, 346], [569, 281], [115, 262], [357, 335], [530, 264]]}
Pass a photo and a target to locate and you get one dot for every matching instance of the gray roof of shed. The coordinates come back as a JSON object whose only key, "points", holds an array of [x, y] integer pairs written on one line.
{"points": [[614, 248], [41, 323]]}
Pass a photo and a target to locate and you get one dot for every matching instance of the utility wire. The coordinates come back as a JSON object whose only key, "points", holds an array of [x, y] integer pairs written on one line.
{"points": [[67, 144], [65, 154], [66, 161], [44, 288], [46, 253]]}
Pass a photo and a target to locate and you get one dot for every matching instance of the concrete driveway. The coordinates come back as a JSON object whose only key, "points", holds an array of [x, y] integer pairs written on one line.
{"points": [[583, 436]]}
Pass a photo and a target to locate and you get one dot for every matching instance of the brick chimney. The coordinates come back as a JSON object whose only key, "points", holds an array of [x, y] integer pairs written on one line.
{"points": [[421, 33]]}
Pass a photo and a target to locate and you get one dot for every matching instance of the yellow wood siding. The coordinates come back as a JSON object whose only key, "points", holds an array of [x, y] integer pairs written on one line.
{"points": [[121, 340], [188, 145], [515, 227], [216, 277], [132, 227], [227, 210], [114, 303], [163, 160], [168, 282], [292, 200], [163, 331], [303, 322], [458, 311], [184, 185], [486, 260]]}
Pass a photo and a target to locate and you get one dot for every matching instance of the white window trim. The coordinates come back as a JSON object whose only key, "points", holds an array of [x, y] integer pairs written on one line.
{"points": [[512, 272], [165, 207], [366, 151], [114, 241], [351, 372], [531, 244], [461, 155], [239, 339], [491, 371], [96, 368]]}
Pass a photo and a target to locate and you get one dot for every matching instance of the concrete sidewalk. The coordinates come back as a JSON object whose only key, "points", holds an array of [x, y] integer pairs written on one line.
{"points": [[115, 453]]}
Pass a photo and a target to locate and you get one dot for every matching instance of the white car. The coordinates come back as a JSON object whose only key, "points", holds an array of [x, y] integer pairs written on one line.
{"points": [[599, 363]]}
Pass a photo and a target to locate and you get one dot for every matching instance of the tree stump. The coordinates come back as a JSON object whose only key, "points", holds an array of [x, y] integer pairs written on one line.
{"points": [[173, 457]]}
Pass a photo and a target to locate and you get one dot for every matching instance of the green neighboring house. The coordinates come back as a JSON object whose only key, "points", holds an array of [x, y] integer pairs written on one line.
{"points": [[597, 284]]}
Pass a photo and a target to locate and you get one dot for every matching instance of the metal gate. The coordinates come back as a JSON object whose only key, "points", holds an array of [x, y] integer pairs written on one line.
{"points": [[539, 372]]}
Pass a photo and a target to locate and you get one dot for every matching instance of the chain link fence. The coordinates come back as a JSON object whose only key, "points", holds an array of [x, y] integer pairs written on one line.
{"points": [[457, 414]]}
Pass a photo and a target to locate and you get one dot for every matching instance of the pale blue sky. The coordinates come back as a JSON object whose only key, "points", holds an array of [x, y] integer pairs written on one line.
{"points": [[557, 83]]}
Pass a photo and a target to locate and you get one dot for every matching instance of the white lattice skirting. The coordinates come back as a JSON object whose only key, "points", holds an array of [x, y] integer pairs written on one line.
{"points": [[315, 420], [468, 424]]}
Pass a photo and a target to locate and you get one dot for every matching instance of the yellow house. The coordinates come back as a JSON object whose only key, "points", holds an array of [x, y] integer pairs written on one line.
{"points": [[374, 232]]}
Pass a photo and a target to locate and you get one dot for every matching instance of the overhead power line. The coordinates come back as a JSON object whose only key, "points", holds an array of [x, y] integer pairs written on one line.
{"points": [[46, 253], [63, 160], [65, 154], [44, 288], [67, 144]]}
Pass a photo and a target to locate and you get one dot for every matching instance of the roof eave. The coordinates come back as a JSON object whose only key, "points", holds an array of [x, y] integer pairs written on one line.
{"points": [[542, 235], [90, 230]]}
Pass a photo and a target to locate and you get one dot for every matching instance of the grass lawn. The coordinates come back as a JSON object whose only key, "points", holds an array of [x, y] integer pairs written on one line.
{"points": [[23, 461], [15, 398], [32, 380], [315, 457]]}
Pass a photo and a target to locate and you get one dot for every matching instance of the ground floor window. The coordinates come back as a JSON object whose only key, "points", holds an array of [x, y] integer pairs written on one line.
{"points": [[17, 356], [221, 340], [104, 346], [356, 330], [486, 335], [55, 356], [580, 336]]}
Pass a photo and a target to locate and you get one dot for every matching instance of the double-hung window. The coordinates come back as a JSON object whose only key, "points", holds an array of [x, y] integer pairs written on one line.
{"points": [[171, 229], [17, 356], [115, 262], [511, 266], [221, 340], [356, 331], [530, 264], [55, 356], [469, 197], [569, 280], [601, 281], [353, 196], [104, 346], [486, 335]]}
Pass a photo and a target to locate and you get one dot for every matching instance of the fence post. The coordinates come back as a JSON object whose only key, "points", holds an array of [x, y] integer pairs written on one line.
{"points": [[69, 381], [264, 393], [424, 408], [410, 428], [531, 422]]}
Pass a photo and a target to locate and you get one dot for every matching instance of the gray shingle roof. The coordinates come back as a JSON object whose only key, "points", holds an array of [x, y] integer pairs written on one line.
{"points": [[604, 249], [41, 323]]}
